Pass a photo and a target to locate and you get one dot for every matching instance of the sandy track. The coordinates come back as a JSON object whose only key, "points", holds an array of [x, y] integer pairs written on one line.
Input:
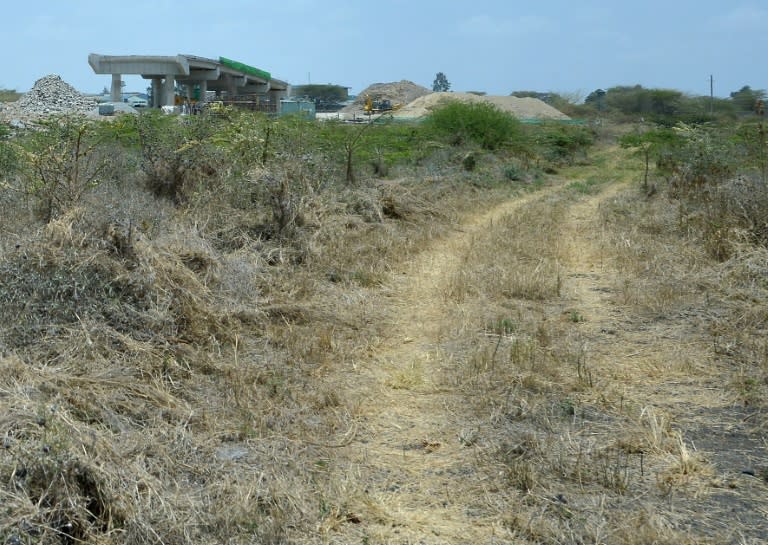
{"points": [[411, 449]]}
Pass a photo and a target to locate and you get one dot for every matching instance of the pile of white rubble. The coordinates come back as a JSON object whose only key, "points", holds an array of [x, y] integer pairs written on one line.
{"points": [[50, 95]]}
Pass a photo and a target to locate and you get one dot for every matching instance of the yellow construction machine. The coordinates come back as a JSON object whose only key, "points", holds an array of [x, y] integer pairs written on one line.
{"points": [[377, 106]]}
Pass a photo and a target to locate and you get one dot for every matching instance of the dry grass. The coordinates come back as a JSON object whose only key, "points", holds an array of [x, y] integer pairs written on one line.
{"points": [[563, 426], [136, 404], [671, 272], [505, 263], [192, 375], [167, 371]]}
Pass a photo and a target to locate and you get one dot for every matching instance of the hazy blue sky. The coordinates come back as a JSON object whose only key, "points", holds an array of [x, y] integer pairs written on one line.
{"points": [[497, 46]]}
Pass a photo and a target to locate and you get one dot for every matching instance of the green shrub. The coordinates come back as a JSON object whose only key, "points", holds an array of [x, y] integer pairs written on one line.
{"points": [[60, 163], [8, 155], [9, 95], [660, 144], [469, 162], [390, 144], [751, 137], [513, 172], [561, 143], [706, 157], [177, 154], [478, 123], [382, 144], [248, 139]]}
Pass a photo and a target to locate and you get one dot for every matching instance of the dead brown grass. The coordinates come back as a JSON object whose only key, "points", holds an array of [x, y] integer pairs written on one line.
{"points": [[407, 363], [571, 415], [168, 373]]}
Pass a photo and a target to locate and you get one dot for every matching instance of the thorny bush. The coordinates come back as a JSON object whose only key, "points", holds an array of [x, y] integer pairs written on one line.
{"points": [[178, 154], [60, 162]]}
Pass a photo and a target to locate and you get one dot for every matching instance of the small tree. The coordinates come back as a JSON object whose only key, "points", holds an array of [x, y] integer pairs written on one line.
{"points": [[441, 83], [562, 143], [649, 144], [60, 163], [596, 98], [351, 144], [177, 155]]}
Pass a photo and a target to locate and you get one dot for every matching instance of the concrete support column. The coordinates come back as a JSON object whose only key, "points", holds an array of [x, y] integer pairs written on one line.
{"points": [[203, 90], [231, 88], [276, 95], [168, 90], [156, 93], [117, 88]]}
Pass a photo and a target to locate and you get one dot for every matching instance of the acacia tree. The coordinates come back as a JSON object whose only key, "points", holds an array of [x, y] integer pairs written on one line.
{"points": [[597, 98], [649, 144], [441, 83], [60, 162]]}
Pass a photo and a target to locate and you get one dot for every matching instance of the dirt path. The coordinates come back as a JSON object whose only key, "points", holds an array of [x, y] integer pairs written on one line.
{"points": [[413, 449]]}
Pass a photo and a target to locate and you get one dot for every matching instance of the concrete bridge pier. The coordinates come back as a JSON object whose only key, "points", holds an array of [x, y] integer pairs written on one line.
{"points": [[276, 95], [231, 87], [156, 98], [224, 76], [117, 88], [169, 88]]}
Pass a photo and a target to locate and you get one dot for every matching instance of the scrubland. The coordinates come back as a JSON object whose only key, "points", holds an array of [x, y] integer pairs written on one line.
{"points": [[234, 329]]}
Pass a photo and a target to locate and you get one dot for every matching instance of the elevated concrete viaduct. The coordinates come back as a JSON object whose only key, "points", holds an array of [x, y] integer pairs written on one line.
{"points": [[224, 76]]}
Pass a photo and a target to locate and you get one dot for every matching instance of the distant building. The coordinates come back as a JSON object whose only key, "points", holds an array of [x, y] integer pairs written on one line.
{"points": [[327, 97]]}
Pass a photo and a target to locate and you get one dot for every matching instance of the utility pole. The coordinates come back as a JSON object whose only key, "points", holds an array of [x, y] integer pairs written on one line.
{"points": [[711, 94], [760, 110]]}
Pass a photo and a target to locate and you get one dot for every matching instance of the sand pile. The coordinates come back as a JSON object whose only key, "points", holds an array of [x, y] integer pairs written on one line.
{"points": [[418, 101], [522, 108]]}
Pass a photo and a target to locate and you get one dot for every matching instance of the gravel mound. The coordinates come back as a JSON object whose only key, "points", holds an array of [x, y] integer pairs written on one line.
{"points": [[522, 108], [49, 95], [398, 92]]}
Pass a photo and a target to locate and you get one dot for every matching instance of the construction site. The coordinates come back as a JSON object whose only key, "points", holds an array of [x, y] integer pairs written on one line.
{"points": [[187, 83]]}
